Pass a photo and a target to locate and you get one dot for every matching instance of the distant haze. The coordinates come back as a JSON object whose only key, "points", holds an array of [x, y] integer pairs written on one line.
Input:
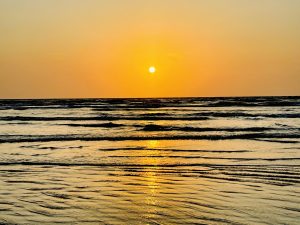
{"points": [[104, 48]]}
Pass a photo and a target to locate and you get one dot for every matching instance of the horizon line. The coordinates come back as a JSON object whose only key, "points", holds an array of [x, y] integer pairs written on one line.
{"points": [[177, 97]]}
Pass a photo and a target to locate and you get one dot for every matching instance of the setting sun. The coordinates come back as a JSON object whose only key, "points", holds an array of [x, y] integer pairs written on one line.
{"points": [[152, 69]]}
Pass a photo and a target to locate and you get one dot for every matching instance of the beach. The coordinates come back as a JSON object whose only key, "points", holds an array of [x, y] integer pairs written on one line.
{"points": [[232, 160]]}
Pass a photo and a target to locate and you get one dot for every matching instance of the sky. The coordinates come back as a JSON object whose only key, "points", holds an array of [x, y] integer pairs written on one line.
{"points": [[104, 48]]}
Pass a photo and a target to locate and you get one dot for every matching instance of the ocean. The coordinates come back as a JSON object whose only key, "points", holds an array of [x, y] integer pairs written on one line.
{"points": [[232, 160]]}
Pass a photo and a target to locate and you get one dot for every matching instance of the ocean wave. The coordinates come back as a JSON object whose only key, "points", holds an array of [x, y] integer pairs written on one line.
{"points": [[242, 114], [50, 138], [154, 127], [106, 118], [198, 117], [142, 166], [207, 157], [141, 148], [113, 104], [105, 125]]}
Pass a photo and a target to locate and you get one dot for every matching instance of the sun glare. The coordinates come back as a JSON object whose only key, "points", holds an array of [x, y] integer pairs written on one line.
{"points": [[152, 69]]}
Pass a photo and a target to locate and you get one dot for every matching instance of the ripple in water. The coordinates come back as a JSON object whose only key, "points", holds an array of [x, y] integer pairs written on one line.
{"points": [[150, 161]]}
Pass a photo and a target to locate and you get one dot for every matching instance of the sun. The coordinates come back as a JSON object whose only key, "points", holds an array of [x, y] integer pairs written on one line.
{"points": [[152, 69]]}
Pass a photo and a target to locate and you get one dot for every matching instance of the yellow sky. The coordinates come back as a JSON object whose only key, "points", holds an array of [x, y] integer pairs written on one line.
{"points": [[103, 48]]}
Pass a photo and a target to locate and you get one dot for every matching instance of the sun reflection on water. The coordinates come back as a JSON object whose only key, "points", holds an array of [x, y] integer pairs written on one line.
{"points": [[152, 144], [152, 181]]}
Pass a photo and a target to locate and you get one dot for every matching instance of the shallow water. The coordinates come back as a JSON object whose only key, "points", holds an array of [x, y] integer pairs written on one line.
{"points": [[150, 161]]}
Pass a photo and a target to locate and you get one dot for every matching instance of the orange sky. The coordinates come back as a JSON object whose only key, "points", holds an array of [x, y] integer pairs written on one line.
{"points": [[103, 48]]}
